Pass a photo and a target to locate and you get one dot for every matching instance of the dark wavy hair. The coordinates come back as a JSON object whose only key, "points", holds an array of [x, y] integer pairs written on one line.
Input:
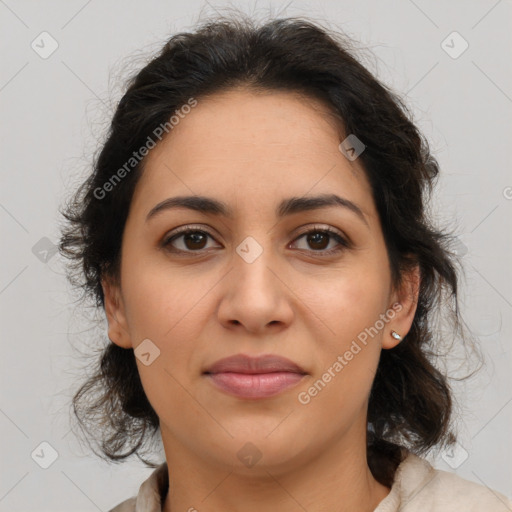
{"points": [[410, 405]]}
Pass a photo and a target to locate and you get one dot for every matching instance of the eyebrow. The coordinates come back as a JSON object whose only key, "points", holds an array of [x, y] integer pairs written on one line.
{"points": [[286, 207]]}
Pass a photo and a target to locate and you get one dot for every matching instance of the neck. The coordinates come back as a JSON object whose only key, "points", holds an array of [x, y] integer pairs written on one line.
{"points": [[336, 479]]}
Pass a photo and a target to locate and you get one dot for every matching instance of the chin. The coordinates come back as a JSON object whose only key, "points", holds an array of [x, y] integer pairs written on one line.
{"points": [[262, 448]]}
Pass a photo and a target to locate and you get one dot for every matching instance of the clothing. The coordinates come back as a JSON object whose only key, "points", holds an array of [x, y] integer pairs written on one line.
{"points": [[417, 487]]}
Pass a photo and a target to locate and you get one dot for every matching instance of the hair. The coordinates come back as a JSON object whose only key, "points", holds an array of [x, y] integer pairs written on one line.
{"points": [[410, 404]]}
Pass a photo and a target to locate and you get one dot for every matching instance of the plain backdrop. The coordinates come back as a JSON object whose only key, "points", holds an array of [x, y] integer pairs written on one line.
{"points": [[55, 109]]}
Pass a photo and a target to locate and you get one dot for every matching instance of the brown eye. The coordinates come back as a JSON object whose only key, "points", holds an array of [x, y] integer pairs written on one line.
{"points": [[191, 240], [188, 240], [318, 240], [195, 240]]}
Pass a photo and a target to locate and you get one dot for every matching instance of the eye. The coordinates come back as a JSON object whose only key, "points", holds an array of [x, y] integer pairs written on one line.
{"points": [[320, 237], [189, 239]]}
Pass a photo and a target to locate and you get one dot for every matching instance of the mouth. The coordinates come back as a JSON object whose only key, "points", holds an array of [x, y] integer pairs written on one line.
{"points": [[254, 377]]}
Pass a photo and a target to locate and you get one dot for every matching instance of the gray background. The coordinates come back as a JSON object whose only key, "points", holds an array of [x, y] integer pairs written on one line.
{"points": [[54, 113]]}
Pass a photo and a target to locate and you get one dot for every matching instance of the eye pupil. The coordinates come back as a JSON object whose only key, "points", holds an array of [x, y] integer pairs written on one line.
{"points": [[194, 238], [314, 239]]}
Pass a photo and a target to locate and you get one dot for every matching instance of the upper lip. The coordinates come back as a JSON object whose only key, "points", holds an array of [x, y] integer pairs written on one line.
{"points": [[242, 363]]}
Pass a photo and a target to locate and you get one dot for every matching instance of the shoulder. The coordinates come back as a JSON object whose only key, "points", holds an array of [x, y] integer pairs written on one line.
{"points": [[418, 486], [126, 506], [151, 493]]}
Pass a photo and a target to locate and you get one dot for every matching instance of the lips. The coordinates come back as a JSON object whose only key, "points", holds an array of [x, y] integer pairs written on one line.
{"points": [[254, 377], [253, 365]]}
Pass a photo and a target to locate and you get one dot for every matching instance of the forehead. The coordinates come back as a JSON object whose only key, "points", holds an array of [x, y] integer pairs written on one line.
{"points": [[243, 120], [253, 147]]}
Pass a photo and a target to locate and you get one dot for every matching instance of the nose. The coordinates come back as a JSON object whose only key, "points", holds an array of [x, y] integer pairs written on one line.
{"points": [[256, 296]]}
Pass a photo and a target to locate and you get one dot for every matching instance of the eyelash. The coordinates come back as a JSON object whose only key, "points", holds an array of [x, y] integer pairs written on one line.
{"points": [[345, 244]]}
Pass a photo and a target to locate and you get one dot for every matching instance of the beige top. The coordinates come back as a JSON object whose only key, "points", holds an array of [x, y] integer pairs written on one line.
{"points": [[417, 487]]}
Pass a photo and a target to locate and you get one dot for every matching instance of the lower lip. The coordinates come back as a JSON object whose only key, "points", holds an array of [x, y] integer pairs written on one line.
{"points": [[258, 385]]}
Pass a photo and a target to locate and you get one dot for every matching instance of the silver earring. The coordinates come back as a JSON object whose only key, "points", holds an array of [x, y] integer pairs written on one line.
{"points": [[396, 336]]}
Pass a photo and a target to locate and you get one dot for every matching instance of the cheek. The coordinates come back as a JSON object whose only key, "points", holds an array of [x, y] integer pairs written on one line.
{"points": [[355, 301], [353, 307], [167, 315], [169, 307], [161, 299]]}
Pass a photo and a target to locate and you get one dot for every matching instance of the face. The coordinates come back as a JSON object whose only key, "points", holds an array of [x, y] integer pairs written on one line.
{"points": [[267, 277]]}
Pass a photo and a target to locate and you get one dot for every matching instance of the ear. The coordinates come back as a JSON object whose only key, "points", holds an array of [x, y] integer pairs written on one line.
{"points": [[115, 311], [407, 298]]}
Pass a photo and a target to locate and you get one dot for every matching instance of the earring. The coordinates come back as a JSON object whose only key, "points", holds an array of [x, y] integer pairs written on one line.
{"points": [[396, 336]]}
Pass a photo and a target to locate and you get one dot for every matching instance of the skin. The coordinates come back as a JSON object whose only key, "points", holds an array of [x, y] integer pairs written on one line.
{"points": [[252, 151]]}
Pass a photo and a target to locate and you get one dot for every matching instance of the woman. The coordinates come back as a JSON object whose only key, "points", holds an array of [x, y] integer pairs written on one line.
{"points": [[255, 231]]}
